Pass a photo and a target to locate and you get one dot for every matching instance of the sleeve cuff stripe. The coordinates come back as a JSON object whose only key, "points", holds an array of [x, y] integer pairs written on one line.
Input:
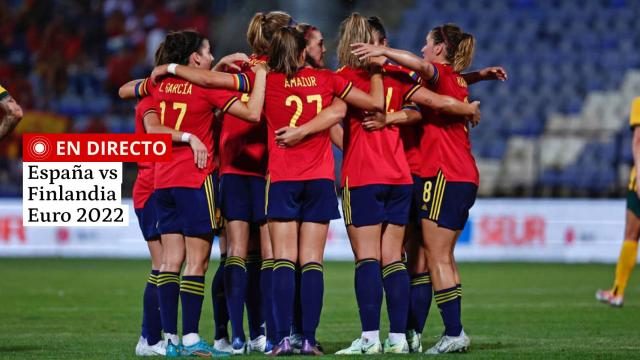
{"points": [[229, 103], [410, 93], [346, 90]]}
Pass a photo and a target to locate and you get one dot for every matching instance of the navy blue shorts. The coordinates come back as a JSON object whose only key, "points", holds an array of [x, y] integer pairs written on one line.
{"points": [[308, 201], [416, 200], [376, 204], [447, 203], [242, 197], [188, 211], [148, 219]]}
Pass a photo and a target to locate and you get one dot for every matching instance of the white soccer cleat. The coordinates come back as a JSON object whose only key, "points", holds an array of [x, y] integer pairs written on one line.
{"points": [[604, 295], [144, 349], [450, 344], [361, 346], [223, 345], [616, 301], [415, 341], [258, 344], [401, 347]]}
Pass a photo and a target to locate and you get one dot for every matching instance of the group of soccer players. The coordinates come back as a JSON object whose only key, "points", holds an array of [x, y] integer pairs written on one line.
{"points": [[264, 159]]}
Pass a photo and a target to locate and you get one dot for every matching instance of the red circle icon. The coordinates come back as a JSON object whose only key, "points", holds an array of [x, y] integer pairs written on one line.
{"points": [[39, 148]]}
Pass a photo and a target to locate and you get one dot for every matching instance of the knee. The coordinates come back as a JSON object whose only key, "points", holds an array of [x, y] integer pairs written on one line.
{"points": [[171, 265]]}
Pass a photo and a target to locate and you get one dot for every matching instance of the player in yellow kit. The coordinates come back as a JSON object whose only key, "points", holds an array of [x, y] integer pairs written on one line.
{"points": [[629, 252]]}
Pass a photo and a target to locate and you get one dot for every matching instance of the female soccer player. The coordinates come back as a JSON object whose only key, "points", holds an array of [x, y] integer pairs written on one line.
{"points": [[629, 252], [144, 203], [449, 171], [377, 188], [301, 196], [185, 193], [243, 155]]}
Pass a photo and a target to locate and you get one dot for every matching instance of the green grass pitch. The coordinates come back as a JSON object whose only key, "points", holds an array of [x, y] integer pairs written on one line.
{"points": [[91, 309]]}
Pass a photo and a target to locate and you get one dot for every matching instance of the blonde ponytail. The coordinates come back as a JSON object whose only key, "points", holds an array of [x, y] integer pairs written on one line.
{"points": [[262, 27], [353, 29], [464, 53]]}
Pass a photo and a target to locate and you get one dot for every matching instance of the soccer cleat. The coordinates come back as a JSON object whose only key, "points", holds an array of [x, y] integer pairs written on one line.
{"points": [[238, 347], [616, 301], [308, 349], [415, 341], [604, 295], [258, 344], [222, 345], [268, 347], [202, 349], [401, 347], [284, 348], [450, 344], [296, 342], [172, 350], [144, 349], [361, 346]]}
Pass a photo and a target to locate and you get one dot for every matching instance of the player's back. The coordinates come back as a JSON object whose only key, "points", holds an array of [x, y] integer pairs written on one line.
{"points": [[445, 143], [143, 186], [374, 157], [243, 145], [189, 108], [293, 102]]}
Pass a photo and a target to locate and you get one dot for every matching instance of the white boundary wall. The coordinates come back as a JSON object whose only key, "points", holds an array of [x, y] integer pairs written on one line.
{"points": [[498, 230]]}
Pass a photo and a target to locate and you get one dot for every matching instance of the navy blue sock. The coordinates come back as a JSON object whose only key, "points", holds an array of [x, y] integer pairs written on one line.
{"points": [[168, 295], [396, 288], [448, 301], [235, 291], [151, 323], [296, 324], [311, 293], [254, 312], [191, 297], [220, 312], [368, 284], [421, 295], [284, 290], [266, 295]]}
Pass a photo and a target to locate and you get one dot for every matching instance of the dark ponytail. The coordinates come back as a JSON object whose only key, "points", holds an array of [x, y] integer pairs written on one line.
{"points": [[178, 46]]}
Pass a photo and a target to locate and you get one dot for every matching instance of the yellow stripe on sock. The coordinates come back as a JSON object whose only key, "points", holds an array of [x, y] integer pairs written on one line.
{"points": [[312, 267], [444, 299], [280, 264], [190, 291], [267, 264], [390, 269], [192, 283], [365, 261]]}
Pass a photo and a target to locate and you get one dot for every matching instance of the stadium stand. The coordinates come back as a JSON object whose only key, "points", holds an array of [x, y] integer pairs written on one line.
{"points": [[558, 126]]}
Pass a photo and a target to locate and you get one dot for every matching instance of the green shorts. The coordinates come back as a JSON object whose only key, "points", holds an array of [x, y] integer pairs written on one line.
{"points": [[633, 203]]}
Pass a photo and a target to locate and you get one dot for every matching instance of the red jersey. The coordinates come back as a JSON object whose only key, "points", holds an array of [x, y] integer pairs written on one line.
{"points": [[376, 157], [243, 145], [411, 134], [143, 187], [293, 102], [186, 107], [445, 142]]}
